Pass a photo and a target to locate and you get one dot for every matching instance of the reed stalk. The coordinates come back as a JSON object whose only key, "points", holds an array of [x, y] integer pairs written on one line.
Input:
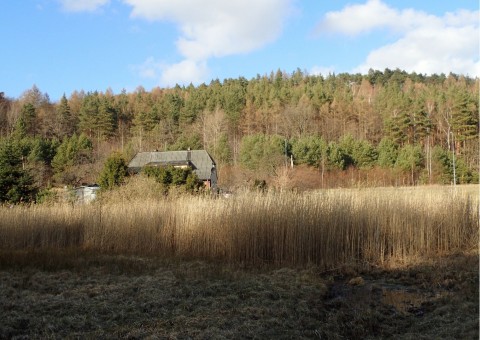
{"points": [[324, 228]]}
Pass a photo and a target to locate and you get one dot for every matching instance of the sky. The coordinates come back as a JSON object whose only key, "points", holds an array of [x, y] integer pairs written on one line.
{"points": [[62, 46]]}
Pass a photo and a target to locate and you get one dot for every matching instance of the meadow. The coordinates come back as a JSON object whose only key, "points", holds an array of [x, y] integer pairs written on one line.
{"points": [[339, 263]]}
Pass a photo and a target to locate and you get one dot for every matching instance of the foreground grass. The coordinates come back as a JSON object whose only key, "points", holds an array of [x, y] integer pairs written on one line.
{"points": [[99, 296]]}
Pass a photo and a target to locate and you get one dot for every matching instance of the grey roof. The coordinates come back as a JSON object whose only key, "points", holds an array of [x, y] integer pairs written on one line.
{"points": [[200, 160]]}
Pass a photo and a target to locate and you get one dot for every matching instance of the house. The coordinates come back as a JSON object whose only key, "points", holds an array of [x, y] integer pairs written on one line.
{"points": [[199, 161]]}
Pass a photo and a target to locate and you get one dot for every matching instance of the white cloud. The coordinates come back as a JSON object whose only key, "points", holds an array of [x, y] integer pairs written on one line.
{"points": [[424, 50], [355, 19], [425, 43], [374, 14], [214, 28], [150, 69], [321, 70], [184, 72], [82, 5]]}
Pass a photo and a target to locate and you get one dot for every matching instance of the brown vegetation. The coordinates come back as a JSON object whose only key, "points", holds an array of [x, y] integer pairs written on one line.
{"points": [[324, 228], [105, 297], [335, 264]]}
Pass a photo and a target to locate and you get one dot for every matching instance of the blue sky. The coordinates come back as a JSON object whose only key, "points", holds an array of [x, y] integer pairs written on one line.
{"points": [[66, 45]]}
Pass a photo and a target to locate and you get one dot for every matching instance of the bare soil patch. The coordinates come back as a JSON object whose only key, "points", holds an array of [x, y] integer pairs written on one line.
{"points": [[106, 297]]}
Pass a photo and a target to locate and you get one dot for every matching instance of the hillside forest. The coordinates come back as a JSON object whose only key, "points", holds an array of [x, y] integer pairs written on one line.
{"points": [[382, 128]]}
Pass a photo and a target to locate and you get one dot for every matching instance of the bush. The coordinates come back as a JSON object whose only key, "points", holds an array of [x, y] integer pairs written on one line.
{"points": [[170, 176], [114, 172], [46, 196]]}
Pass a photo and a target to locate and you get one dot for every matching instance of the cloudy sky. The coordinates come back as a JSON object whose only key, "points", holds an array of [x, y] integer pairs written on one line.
{"points": [[66, 45]]}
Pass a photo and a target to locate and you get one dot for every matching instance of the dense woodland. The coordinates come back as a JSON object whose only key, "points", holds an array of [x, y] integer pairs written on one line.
{"points": [[410, 128]]}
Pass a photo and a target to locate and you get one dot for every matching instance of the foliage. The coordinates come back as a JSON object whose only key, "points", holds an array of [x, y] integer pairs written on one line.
{"points": [[26, 122], [46, 196], [42, 150], [262, 152], [310, 150], [97, 116], [16, 182], [71, 153], [169, 177], [337, 158], [358, 153], [387, 153], [223, 153], [114, 172], [363, 120], [444, 163], [463, 115], [64, 118], [191, 142], [410, 158]]}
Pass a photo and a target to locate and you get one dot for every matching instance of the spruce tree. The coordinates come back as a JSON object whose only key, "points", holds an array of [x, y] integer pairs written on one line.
{"points": [[16, 183]]}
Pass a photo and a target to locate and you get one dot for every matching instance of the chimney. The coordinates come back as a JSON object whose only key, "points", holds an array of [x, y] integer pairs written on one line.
{"points": [[189, 155]]}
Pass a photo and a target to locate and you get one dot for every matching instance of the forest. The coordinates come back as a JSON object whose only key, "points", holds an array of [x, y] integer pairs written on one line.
{"points": [[382, 128]]}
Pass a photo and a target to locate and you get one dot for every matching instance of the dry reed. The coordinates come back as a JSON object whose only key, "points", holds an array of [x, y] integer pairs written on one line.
{"points": [[325, 228]]}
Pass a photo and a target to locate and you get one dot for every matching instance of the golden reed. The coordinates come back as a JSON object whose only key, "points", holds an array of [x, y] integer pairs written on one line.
{"points": [[324, 228]]}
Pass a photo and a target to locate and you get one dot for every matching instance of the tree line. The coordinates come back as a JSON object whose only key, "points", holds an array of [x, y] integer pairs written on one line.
{"points": [[424, 126]]}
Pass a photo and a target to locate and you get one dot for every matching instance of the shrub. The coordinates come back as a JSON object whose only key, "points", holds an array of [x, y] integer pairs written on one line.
{"points": [[169, 177], [114, 172]]}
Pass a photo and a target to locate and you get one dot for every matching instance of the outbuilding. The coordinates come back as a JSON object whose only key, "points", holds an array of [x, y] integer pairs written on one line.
{"points": [[85, 193]]}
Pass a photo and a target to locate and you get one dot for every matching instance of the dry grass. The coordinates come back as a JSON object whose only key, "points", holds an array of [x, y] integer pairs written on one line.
{"points": [[335, 264], [323, 228], [116, 297]]}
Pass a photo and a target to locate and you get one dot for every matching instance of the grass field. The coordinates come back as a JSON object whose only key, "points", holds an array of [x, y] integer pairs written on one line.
{"points": [[363, 263], [105, 297]]}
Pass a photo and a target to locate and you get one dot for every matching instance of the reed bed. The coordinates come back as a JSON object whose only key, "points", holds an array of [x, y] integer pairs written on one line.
{"points": [[324, 228]]}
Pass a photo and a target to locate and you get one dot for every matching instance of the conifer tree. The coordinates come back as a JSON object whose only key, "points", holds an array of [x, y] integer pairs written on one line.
{"points": [[65, 125], [16, 182], [463, 117], [387, 153], [27, 121], [410, 158], [97, 116]]}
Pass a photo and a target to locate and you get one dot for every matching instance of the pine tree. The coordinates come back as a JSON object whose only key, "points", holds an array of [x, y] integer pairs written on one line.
{"points": [[463, 117], [310, 150], [16, 183], [97, 116], [387, 153], [27, 119], [410, 158], [421, 122], [66, 125], [223, 153]]}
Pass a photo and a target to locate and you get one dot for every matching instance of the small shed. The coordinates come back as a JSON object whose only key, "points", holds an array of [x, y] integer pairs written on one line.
{"points": [[200, 161], [86, 193]]}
